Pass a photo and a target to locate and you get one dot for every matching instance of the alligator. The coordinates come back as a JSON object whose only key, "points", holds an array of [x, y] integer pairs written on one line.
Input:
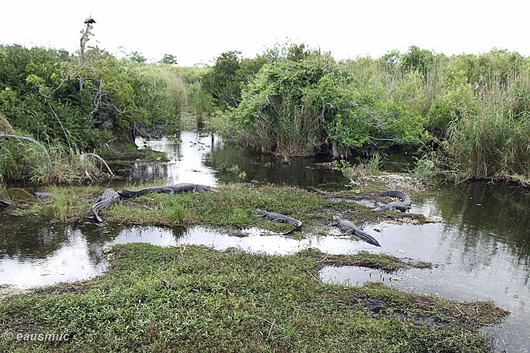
{"points": [[45, 196], [169, 189], [394, 206], [106, 199], [277, 217], [4, 202], [395, 164], [350, 228]]}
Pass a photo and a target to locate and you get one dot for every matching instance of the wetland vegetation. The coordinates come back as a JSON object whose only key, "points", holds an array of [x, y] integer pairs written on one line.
{"points": [[194, 298], [467, 116], [462, 117]]}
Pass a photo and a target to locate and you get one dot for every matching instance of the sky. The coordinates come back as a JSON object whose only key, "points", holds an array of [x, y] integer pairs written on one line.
{"points": [[196, 32]]}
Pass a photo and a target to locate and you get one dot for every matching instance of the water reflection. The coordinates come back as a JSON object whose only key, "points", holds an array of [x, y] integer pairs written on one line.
{"points": [[70, 258], [251, 240], [481, 246], [301, 172], [194, 157], [76, 253], [185, 165], [497, 215]]}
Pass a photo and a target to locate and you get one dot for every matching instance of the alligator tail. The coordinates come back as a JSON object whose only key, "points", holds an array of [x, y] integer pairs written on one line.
{"points": [[367, 238], [295, 229], [395, 193]]}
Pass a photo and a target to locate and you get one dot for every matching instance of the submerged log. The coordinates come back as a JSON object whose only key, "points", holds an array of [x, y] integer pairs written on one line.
{"points": [[169, 189], [109, 197]]}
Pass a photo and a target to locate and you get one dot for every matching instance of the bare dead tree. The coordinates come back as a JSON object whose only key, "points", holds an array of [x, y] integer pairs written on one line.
{"points": [[82, 158], [85, 37]]}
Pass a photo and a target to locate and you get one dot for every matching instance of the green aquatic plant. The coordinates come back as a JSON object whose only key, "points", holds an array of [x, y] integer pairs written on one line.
{"points": [[357, 174], [372, 165]]}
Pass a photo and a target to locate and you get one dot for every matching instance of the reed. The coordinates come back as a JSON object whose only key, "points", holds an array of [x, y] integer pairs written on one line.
{"points": [[23, 160], [491, 146]]}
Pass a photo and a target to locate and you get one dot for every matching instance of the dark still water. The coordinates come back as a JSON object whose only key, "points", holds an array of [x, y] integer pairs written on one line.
{"points": [[481, 247], [195, 158]]}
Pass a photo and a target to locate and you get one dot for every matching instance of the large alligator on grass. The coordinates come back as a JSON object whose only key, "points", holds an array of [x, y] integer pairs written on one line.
{"points": [[350, 228], [277, 217], [169, 189], [109, 197], [403, 205]]}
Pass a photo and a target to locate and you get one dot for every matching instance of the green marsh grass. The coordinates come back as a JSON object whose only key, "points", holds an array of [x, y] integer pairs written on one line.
{"points": [[198, 299], [233, 206], [491, 146], [46, 164]]}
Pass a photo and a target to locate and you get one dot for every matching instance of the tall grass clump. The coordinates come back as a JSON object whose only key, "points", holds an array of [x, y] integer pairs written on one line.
{"points": [[23, 160], [62, 203], [491, 146]]}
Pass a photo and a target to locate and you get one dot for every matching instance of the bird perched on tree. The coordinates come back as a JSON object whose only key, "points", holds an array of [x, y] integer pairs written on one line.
{"points": [[90, 20]]}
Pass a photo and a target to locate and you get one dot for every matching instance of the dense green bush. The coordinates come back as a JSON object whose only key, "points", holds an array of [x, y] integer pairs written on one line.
{"points": [[229, 74], [296, 107], [49, 95]]}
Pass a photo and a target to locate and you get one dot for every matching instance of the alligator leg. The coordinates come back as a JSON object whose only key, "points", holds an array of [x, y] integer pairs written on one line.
{"points": [[109, 197]]}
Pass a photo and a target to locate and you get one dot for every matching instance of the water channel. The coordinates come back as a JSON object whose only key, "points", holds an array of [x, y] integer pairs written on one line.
{"points": [[480, 248]]}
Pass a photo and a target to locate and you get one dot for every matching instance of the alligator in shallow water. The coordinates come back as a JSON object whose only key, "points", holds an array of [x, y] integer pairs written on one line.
{"points": [[169, 189], [403, 205], [350, 228], [106, 199], [277, 217]]}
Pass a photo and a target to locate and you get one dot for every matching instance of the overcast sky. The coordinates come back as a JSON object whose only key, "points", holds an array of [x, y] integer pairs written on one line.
{"points": [[199, 30]]}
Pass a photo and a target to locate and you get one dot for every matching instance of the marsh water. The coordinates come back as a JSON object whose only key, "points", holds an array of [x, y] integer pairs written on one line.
{"points": [[480, 247]]}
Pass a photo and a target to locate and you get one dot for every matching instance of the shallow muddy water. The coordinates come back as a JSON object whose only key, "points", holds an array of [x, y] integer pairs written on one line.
{"points": [[480, 249]]}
